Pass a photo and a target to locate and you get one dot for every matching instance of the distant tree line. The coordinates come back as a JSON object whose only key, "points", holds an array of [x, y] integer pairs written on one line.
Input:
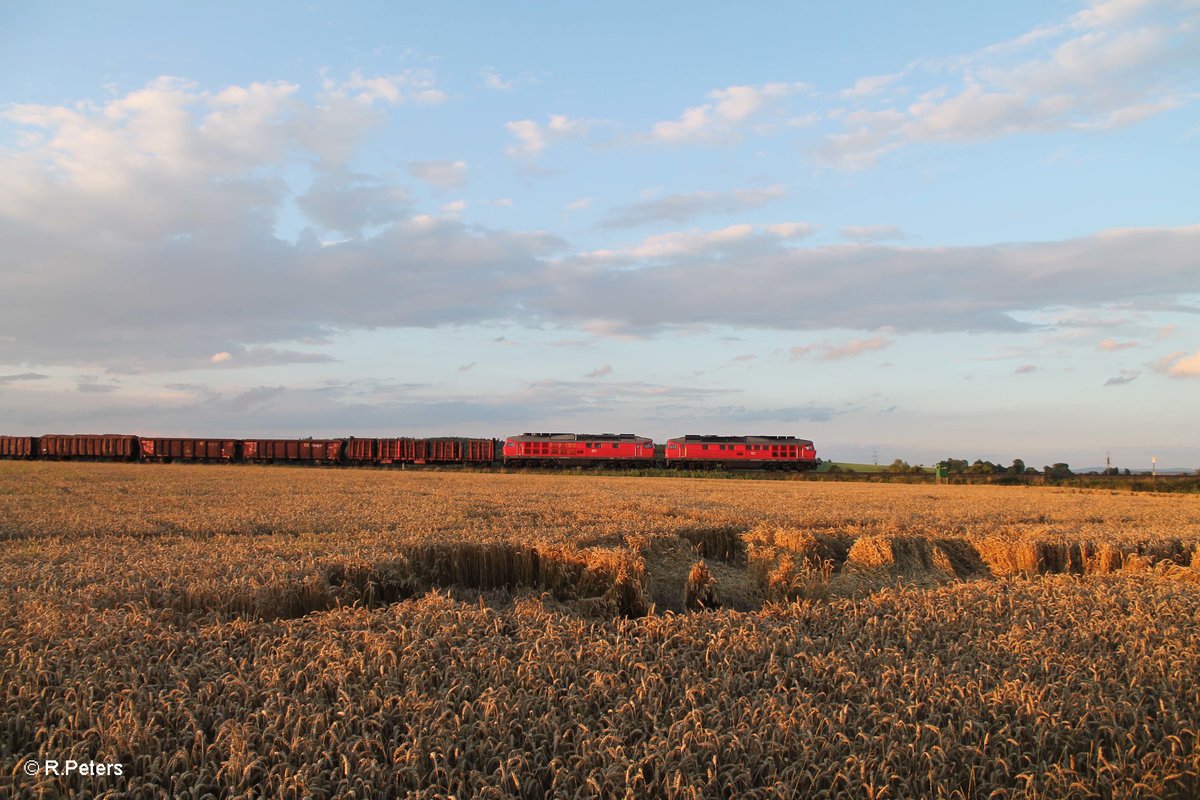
{"points": [[987, 470], [1018, 473], [959, 466], [902, 467]]}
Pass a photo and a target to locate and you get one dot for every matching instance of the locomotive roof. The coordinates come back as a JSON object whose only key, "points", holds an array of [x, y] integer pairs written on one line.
{"points": [[694, 437], [578, 437]]}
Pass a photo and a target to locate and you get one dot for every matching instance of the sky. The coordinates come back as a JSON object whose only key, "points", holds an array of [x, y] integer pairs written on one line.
{"points": [[917, 231]]}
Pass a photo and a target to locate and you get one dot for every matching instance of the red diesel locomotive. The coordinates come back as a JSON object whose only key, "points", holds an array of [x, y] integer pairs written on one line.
{"points": [[752, 452], [684, 452], [558, 449]]}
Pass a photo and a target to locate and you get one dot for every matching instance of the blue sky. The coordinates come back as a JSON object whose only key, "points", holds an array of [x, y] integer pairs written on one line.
{"points": [[904, 231]]}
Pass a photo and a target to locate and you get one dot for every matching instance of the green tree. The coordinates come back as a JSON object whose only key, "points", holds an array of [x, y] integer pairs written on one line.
{"points": [[1018, 467], [1059, 470], [898, 466]]}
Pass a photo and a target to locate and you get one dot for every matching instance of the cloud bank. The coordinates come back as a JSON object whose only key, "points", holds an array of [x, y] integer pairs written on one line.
{"points": [[1115, 63], [140, 234]]}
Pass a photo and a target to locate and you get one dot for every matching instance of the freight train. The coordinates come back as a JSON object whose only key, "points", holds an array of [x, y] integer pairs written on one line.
{"points": [[526, 450]]}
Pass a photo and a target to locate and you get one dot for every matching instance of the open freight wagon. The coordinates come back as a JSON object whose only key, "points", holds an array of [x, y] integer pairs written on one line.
{"points": [[169, 449], [444, 450], [105, 446], [292, 451], [18, 446]]}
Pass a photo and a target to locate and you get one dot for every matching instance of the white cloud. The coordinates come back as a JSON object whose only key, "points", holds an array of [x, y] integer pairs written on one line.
{"points": [[744, 276], [856, 347], [530, 139], [1081, 320], [870, 85], [1163, 364], [1112, 345], [412, 85], [729, 111], [611, 329], [791, 230], [348, 203], [21, 377], [681, 208], [849, 349], [1125, 376], [454, 207], [804, 120], [168, 128], [693, 242], [1180, 365], [872, 233], [243, 357], [442, 174], [170, 159], [176, 191], [1100, 13], [1106, 67], [533, 138], [677, 243], [493, 80], [838, 351], [600, 372], [90, 386], [580, 204]]}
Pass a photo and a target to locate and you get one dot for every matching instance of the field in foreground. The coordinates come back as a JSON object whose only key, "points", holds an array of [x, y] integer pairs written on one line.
{"points": [[290, 632]]}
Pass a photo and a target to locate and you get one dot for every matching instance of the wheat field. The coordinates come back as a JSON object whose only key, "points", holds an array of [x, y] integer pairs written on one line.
{"points": [[278, 632]]}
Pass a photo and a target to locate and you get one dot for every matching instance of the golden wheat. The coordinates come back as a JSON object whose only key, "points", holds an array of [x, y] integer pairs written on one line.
{"points": [[250, 632]]}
